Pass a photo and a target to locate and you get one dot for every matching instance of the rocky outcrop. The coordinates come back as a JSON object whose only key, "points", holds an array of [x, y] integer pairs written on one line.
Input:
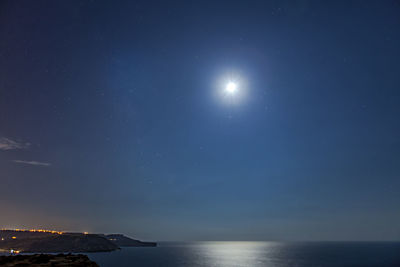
{"points": [[46, 260]]}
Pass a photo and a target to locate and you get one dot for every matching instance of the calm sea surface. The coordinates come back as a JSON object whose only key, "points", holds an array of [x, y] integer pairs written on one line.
{"points": [[255, 254]]}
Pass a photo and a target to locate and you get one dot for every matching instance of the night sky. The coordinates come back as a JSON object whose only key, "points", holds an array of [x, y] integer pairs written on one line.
{"points": [[112, 118]]}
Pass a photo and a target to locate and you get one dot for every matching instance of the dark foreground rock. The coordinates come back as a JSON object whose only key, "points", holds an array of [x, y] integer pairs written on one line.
{"points": [[44, 260]]}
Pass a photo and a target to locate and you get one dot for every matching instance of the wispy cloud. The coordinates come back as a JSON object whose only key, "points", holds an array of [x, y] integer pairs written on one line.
{"points": [[36, 163], [8, 144]]}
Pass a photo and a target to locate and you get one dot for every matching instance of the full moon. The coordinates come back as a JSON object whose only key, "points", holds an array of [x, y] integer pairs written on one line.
{"points": [[231, 87]]}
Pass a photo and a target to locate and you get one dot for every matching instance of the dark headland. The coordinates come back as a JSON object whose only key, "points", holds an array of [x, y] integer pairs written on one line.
{"points": [[35, 241]]}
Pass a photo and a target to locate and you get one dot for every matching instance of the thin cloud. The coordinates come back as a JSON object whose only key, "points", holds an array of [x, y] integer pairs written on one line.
{"points": [[8, 144], [35, 163]]}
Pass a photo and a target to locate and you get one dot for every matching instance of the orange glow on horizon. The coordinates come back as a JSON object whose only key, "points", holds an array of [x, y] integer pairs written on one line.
{"points": [[34, 231]]}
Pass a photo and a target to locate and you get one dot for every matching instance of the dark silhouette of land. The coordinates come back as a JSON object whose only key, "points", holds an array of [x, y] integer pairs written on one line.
{"points": [[123, 241], [53, 242]]}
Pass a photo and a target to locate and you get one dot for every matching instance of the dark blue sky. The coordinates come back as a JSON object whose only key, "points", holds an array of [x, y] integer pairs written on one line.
{"points": [[110, 121]]}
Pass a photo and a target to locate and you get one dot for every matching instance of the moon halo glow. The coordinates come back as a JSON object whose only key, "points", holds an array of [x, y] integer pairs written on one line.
{"points": [[231, 87]]}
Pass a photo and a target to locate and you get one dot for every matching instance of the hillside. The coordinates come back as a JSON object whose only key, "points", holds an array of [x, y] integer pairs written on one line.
{"points": [[49, 242]]}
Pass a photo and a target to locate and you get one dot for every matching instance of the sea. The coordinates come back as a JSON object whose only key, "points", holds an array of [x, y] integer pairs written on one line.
{"points": [[255, 254]]}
